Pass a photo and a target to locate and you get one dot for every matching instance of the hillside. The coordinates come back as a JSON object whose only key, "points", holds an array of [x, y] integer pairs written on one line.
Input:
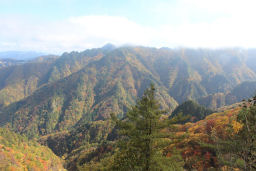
{"points": [[90, 94], [58, 93], [17, 153], [18, 82]]}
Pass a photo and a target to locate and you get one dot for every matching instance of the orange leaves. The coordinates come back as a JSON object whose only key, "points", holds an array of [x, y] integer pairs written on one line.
{"points": [[196, 155]]}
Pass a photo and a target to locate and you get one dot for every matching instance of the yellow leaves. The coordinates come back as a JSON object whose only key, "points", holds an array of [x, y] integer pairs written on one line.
{"points": [[236, 126], [222, 121], [192, 129]]}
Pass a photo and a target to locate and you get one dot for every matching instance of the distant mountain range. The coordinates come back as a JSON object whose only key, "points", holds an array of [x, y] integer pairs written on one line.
{"points": [[20, 55], [53, 94], [10, 62]]}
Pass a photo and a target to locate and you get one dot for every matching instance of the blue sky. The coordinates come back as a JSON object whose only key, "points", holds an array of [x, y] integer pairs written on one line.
{"points": [[56, 26], [141, 11]]}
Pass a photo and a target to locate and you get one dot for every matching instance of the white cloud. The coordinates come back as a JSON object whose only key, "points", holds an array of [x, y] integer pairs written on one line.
{"points": [[79, 33], [75, 33]]}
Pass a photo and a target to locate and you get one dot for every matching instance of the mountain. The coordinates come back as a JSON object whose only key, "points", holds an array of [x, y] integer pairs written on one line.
{"points": [[110, 84], [18, 82], [18, 153], [20, 55], [64, 102], [42, 97]]}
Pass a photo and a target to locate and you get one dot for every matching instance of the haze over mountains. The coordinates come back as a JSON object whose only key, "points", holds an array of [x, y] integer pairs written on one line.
{"points": [[66, 101], [55, 93], [20, 55], [9, 58]]}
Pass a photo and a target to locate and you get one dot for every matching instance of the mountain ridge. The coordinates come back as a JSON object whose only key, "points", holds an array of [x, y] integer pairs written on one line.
{"points": [[89, 85]]}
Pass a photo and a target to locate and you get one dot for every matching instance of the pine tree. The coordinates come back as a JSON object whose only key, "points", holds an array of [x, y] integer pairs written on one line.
{"points": [[142, 138]]}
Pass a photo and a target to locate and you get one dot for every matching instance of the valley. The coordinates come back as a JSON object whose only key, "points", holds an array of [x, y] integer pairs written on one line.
{"points": [[64, 103]]}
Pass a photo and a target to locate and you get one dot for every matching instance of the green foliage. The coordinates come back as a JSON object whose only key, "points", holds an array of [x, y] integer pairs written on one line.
{"points": [[194, 110], [142, 138]]}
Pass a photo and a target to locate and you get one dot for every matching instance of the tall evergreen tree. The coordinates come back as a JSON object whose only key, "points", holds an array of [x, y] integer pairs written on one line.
{"points": [[143, 139]]}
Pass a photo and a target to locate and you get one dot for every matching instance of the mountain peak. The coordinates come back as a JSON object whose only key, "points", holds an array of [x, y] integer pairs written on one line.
{"points": [[109, 46]]}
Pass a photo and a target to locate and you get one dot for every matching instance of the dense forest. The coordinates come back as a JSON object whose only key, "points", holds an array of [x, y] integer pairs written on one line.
{"points": [[129, 108], [222, 141]]}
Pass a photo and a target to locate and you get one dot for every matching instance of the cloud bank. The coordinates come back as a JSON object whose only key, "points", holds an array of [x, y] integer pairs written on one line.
{"points": [[235, 28]]}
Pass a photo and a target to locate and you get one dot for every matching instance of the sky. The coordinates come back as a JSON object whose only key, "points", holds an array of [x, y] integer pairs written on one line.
{"points": [[57, 26]]}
